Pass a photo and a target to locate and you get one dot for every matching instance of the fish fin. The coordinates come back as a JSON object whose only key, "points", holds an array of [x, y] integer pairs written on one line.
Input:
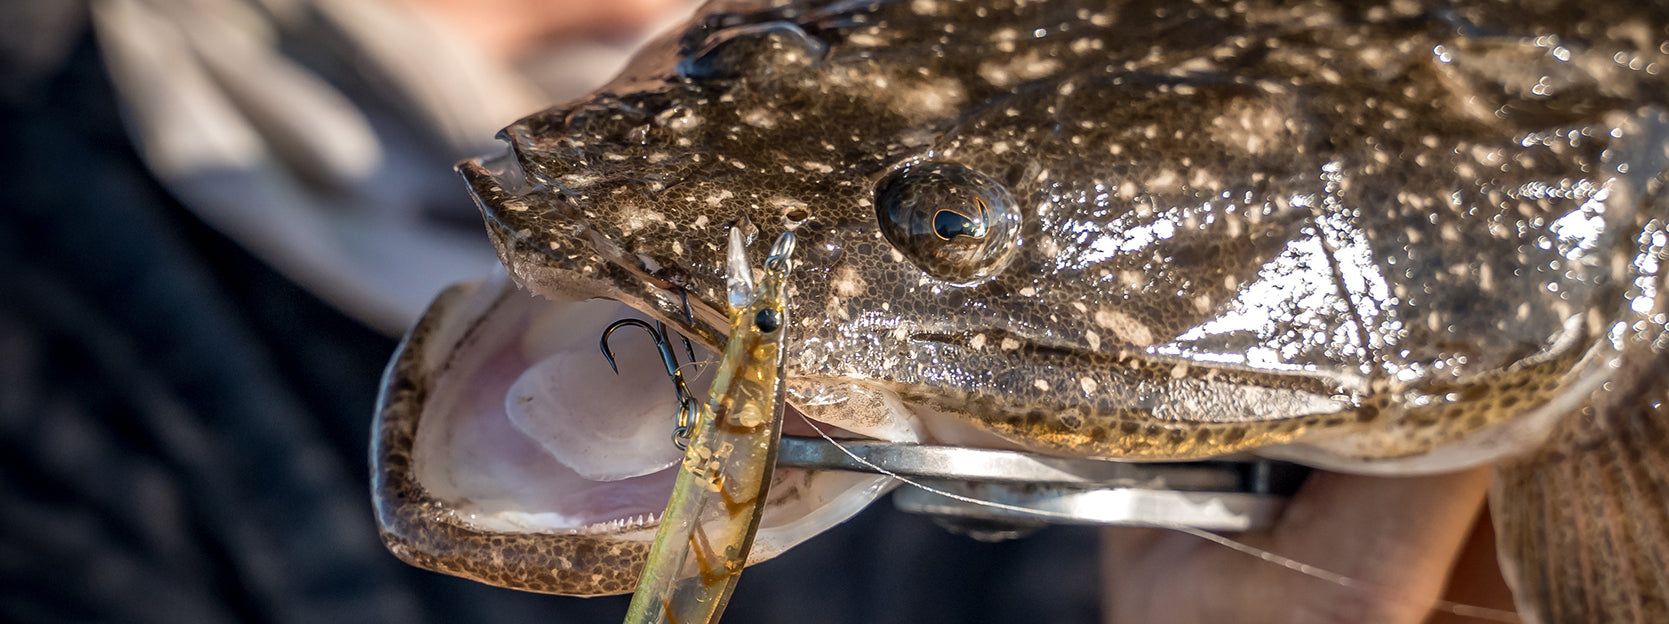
{"points": [[1582, 523]]}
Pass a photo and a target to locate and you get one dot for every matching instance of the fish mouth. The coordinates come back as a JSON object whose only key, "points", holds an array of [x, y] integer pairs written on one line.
{"points": [[502, 430]]}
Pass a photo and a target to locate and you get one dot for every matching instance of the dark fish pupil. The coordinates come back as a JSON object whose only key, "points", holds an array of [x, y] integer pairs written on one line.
{"points": [[949, 224], [767, 320]]}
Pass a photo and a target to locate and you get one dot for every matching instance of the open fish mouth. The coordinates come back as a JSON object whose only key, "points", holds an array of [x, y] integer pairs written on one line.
{"points": [[507, 451]]}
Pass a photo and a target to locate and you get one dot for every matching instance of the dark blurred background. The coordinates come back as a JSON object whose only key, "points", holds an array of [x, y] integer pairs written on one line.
{"points": [[184, 430]]}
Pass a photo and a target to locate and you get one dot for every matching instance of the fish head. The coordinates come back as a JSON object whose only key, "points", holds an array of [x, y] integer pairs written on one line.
{"points": [[1372, 239]]}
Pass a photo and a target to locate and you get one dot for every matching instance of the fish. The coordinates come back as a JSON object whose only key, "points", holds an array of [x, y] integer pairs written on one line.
{"points": [[1380, 238], [708, 528]]}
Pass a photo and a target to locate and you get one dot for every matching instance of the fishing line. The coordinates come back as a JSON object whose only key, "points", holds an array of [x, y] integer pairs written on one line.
{"points": [[1316, 572], [697, 366]]}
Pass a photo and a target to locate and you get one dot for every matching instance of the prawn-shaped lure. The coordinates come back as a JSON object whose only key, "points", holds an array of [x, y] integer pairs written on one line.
{"points": [[719, 496]]}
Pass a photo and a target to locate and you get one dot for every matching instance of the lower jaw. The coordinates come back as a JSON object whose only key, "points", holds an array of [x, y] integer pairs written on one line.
{"points": [[491, 476]]}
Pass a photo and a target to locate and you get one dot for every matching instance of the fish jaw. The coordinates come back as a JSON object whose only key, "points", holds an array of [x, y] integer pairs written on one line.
{"points": [[458, 488], [420, 528]]}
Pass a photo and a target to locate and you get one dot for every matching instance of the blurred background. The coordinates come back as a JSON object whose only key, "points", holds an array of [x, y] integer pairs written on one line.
{"points": [[216, 217]]}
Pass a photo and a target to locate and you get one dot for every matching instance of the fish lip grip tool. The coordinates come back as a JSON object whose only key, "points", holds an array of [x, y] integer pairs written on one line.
{"points": [[1018, 490]]}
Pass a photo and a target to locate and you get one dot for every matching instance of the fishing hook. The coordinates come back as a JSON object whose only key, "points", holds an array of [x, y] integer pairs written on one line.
{"points": [[687, 403], [689, 319]]}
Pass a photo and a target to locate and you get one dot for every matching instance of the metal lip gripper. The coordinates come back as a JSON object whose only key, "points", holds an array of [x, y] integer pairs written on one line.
{"points": [[1033, 490]]}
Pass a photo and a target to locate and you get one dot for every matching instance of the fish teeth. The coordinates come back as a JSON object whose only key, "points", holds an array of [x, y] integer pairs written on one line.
{"points": [[626, 523]]}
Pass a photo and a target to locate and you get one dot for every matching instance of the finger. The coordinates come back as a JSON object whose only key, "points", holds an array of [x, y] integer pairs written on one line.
{"points": [[1397, 537], [1132, 560]]}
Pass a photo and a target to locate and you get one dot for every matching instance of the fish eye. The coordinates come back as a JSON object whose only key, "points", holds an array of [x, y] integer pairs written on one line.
{"points": [[767, 320], [955, 223]]}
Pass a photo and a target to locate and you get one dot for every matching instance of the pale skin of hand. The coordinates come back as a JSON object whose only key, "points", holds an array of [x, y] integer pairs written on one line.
{"points": [[506, 29], [1399, 536]]}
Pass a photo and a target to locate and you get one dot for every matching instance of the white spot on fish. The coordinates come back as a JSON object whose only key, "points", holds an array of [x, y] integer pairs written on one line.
{"points": [[632, 220], [1029, 66], [1125, 327], [577, 180], [759, 118], [847, 282], [1202, 304], [1165, 180], [865, 40]]}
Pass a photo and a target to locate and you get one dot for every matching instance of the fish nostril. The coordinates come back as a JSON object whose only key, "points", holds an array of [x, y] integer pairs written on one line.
{"points": [[606, 120]]}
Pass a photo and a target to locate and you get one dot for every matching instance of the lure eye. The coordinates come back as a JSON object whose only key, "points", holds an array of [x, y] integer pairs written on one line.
{"points": [[954, 223], [767, 320]]}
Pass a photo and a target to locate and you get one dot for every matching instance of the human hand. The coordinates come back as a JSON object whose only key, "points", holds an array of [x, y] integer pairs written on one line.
{"points": [[1398, 538]]}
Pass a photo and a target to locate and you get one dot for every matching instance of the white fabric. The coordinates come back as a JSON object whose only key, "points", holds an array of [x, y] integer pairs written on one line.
{"points": [[320, 134]]}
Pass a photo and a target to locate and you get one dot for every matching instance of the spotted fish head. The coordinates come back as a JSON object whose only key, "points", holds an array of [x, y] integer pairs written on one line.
{"points": [[1361, 236], [1107, 230]]}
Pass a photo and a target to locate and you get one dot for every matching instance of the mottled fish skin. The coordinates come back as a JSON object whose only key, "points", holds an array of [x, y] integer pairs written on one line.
{"points": [[1384, 229], [1241, 224]]}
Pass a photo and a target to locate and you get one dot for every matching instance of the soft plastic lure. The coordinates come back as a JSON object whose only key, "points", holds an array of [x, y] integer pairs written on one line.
{"points": [[709, 524]]}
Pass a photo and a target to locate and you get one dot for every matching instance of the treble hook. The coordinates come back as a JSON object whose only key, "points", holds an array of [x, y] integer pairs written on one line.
{"points": [[687, 403]]}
